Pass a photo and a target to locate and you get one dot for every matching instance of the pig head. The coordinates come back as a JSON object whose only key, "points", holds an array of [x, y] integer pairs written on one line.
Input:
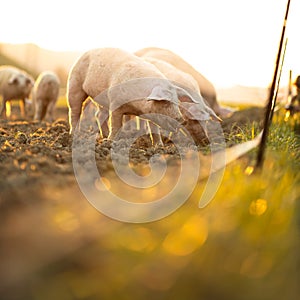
{"points": [[17, 87], [21, 84]]}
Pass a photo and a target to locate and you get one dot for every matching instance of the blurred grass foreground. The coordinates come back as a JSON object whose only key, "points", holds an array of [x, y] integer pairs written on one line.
{"points": [[244, 245]]}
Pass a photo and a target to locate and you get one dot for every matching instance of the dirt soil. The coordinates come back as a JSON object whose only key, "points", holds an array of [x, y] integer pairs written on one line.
{"points": [[34, 154], [41, 203]]}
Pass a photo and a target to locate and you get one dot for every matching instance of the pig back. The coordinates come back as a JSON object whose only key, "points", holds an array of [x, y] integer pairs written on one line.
{"points": [[109, 67]]}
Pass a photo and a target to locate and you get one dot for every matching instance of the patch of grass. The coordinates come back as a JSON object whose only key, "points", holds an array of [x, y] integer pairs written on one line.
{"points": [[254, 231], [242, 134], [284, 140]]}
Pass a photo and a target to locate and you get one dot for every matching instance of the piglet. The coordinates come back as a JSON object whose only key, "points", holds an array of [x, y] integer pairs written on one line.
{"points": [[15, 84], [45, 94]]}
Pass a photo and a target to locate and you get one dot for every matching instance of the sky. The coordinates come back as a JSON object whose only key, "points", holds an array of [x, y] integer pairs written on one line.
{"points": [[229, 41]]}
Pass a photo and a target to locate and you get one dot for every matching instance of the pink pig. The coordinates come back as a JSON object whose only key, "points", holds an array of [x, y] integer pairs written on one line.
{"points": [[113, 78]]}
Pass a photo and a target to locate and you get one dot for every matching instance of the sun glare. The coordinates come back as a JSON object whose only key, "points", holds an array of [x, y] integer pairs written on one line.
{"points": [[228, 47]]}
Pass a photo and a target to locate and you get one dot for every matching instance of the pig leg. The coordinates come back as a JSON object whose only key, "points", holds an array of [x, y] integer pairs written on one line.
{"points": [[44, 109], [50, 112], [155, 134], [126, 119], [40, 110], [3, 108], [22, 108], [8, 106], [76, 97], [116, 120], [138, 124], [141, 124], [102, 117]]}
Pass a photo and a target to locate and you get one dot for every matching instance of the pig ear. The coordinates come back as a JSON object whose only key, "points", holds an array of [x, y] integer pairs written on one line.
{"points": [[213, 115], [158, 93], [198, 102], [13, 79], [183, 93], [195, 111]]}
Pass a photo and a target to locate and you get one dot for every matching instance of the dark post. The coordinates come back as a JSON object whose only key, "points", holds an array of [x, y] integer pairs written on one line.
{"points": [[268, 113], [277, 84]]}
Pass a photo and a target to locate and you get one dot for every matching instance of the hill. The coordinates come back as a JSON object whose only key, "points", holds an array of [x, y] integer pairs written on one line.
{"points": [[4, 60], [243, 94], [34, 59]]}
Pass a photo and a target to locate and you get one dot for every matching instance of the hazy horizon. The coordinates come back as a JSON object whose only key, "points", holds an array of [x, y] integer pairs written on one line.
{"points": [[231, 42], [39, 59]]}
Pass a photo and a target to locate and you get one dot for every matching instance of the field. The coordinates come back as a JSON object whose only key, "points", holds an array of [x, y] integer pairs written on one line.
{"points": [[243, 245]]}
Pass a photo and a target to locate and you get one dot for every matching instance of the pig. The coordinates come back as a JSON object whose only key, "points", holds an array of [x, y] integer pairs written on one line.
{"points": [[193, 113], [207, 89], [15, 84], [113, 78], [45, 94]]}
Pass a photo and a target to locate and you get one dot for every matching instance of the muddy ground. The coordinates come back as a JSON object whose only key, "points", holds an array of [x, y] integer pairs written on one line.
{"points": [[36, 153], [41, 205]]}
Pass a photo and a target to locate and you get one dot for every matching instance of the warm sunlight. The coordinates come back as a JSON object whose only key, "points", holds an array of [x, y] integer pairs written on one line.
{"points": [[198, 200], [232, 42]]}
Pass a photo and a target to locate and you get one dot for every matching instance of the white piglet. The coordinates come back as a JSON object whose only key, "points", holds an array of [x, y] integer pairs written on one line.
{"points": [[45, 94], [15, 84]]}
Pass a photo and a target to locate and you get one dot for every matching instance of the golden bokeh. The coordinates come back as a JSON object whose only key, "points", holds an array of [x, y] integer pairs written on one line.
{"points": [[258, 207], [187, 239]]}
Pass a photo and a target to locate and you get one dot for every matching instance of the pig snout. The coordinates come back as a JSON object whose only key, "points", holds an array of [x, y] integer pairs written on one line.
{"points": [[184, 123]]}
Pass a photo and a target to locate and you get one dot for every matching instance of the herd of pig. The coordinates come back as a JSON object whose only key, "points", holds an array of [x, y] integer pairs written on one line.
{"points": [[148, 83], [16, 84]]}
